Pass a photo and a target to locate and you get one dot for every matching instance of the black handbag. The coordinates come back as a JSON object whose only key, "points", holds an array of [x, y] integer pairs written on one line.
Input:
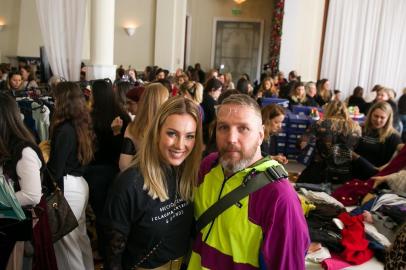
{"points": [[60, 216]]}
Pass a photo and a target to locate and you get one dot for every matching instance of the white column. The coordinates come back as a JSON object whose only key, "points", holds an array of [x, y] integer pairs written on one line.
{"points": [[170, 33], [102, 40]]}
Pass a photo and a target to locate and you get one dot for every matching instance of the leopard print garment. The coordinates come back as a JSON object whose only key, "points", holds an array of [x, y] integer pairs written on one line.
{"points": [[396, 256]]}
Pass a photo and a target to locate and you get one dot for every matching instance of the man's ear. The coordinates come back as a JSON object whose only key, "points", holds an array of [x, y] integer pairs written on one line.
{"points": [[261, 134]]}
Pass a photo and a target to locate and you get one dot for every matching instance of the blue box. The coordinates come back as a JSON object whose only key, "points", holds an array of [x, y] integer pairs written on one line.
{"points": [[294, 136], [299, 109], [280, 101], [298, 123]]}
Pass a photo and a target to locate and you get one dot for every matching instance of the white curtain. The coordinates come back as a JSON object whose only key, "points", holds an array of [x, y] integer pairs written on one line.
{"points": [[365, 44], [62, 25]]}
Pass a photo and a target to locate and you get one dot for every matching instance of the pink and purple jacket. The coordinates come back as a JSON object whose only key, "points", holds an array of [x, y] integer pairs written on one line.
{"points": [[265, 230]]}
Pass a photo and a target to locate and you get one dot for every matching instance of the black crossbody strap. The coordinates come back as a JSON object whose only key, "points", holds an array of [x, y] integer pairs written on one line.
{"points": [[251, 183]]}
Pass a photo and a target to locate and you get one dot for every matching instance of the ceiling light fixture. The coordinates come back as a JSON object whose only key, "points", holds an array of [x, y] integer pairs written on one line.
{"points": [[239, 1]]}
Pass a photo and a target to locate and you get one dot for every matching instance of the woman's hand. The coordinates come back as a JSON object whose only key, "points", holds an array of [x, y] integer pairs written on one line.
{"points": [[116, 125], [280, 158], [378, 180]]}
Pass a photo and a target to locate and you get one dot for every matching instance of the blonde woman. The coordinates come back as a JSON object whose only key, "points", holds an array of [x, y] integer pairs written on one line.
{"points": [[311, 92], [152, 98], [334, 138], [148, 211], [379, 138], [194, 91], [228, 81]]}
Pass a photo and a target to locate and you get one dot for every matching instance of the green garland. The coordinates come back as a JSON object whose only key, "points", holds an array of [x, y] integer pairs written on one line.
{"points": [[276, 35]]}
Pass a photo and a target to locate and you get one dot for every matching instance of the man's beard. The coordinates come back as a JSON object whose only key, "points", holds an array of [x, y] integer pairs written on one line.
{"points": [[230, 166]]}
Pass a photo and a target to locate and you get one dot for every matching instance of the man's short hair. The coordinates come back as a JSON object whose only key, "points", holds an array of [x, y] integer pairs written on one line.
{"points": [[243, 100]]}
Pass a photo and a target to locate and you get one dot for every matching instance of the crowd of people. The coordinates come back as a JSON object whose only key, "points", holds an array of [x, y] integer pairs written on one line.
{"points": [[152, 153]]}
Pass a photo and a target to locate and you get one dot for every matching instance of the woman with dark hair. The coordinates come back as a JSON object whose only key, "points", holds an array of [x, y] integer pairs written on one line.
{"points": [[109, 123], [14, 84], [28, 76], [297, 95], [160, 74], [357, 100], [71, 149], [21, 161], [121, 90], [324, 93], [148, 213], [272, 118], [211, 93], [243, 85]]}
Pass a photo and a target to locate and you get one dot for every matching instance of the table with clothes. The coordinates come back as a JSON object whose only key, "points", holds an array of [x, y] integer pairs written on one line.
{"points": [[351, 237]]}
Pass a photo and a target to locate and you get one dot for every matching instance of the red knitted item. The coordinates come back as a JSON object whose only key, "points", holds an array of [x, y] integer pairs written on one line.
{"points": [[353, 240]]}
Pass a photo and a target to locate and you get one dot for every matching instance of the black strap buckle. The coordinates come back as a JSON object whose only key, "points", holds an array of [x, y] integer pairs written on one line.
{"points": [[276, 172]]}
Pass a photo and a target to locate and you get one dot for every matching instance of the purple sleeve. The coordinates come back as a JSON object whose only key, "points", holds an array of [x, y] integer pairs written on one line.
{"points": [[276, 208]]}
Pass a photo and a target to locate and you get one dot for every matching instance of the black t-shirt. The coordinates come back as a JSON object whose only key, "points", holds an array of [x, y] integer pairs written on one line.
{"points": [[146, 222], [108, 145], [269, 145], [63, 159], [359, 102], [376, 152], [208, 104], [402, 105], [310, 101]]}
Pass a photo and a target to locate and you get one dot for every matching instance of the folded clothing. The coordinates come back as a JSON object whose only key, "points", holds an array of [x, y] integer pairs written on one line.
{"points": [[318, 255]]}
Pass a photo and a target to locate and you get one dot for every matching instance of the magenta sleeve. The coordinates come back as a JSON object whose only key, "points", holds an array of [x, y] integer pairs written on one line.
{"points": [[276, 208]]}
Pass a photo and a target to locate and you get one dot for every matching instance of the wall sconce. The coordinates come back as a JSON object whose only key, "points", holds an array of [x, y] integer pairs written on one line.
{"points": [[2, 26], [239, 1], [130, 30]]}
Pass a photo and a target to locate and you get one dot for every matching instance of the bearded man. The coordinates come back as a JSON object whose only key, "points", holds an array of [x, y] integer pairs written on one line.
{"points": [[264, 230]]}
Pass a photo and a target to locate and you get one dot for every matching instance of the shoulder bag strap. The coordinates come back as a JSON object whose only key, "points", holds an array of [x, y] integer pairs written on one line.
{"points": [[251, 183]]}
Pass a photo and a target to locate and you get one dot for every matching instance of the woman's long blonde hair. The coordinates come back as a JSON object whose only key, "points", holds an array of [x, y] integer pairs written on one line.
{"points": [[154, 95], [272, 91], [337, 112], [149, 160], [387, 129], [194, 89]]}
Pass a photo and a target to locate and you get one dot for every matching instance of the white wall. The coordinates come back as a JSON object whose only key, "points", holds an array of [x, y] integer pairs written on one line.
{"points": [[9, 15], [202, 13], [29, 34], [138, 50], [301, 37]]}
